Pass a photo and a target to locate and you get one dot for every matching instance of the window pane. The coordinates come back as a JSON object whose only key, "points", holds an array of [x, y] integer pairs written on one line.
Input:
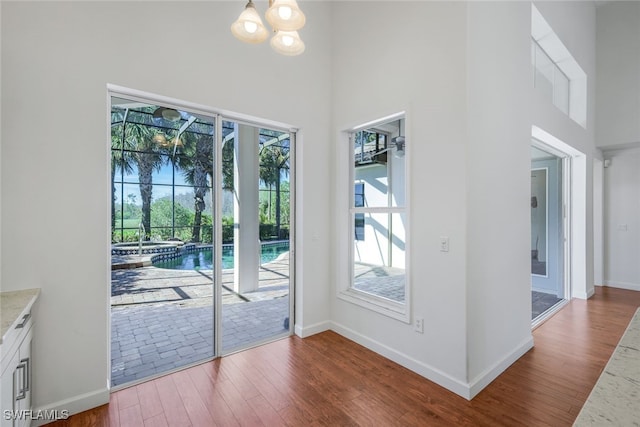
{"points": [[359, 195], [148, 168], [131, 201], [359, 226], [544, 72], [561, 91], [379, 257], [164, 173], [374, 181], [379, 170]]}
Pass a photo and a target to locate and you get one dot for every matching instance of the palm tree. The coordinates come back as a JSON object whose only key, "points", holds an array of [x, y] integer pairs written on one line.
{"points": [[148, 158], [149, 147], [197, 165], [274, 161]]}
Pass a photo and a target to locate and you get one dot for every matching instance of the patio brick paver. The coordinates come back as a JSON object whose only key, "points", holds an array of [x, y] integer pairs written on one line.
{"points": [[162, 319]]}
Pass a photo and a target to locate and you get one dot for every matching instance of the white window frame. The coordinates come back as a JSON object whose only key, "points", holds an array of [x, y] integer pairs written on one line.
{"points": [[550, 43], [346, 291]]}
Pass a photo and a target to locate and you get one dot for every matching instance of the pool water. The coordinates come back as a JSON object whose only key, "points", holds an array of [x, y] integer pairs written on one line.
{"points": [[203, 259]]}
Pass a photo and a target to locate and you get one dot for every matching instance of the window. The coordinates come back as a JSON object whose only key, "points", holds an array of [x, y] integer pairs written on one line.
{"points": [[557, 74], [549, 78], [378, 215]]}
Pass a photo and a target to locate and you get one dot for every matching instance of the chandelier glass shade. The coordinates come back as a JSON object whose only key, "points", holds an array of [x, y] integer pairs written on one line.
{"points": [[248, 27], [287, 43], [284, 16]]}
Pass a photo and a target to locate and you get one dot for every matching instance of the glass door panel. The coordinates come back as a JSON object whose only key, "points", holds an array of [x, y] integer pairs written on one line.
{"points": [[256, 211], [162, 281], [547, 232]]}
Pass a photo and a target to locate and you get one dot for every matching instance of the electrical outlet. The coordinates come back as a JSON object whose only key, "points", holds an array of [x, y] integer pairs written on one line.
{"points": [[418, 325], [444, 244]]}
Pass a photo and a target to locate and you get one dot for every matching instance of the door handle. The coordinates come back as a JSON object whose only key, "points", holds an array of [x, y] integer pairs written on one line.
{"points": [[22, 393], [24, 321], [26, 374]]}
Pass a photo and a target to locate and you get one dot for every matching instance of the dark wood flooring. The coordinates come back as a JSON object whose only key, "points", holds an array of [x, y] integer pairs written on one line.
{"points": [[327, 380]]}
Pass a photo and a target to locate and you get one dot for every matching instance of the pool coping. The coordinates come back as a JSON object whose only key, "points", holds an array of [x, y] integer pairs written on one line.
{"points": [[147, 259]]}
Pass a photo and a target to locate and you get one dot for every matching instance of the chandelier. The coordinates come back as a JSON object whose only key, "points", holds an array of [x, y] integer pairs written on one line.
{"points": [[284, 16]]}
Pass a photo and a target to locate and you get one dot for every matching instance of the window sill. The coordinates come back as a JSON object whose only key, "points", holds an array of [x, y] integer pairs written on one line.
{"points": [[395, 310]]}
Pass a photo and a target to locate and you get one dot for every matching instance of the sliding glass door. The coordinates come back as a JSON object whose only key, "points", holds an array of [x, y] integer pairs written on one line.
{"points": [[201, 236]]}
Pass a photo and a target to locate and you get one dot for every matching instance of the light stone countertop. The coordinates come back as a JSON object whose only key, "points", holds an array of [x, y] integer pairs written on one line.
{"points": [[13, 306], [615, 399]]}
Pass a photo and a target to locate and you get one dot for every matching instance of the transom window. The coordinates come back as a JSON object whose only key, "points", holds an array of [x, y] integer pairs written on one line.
{"points": [[549, 78]]}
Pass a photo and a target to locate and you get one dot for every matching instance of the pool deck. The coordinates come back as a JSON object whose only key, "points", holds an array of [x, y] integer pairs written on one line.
{"points": [[162, 319]]}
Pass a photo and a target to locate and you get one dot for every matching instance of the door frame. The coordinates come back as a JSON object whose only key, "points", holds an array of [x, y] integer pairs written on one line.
{"points": [[566, 201], [216, 198], [576, 212]]}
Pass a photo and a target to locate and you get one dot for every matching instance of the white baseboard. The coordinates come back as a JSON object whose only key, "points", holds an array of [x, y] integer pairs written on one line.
{"points": [[468, 391], [622, 285], [316, 328], [584, 295], [485, 378], [429, 372], [74, 405]]}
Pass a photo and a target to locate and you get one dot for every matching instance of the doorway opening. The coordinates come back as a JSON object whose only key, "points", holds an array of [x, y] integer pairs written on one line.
{"points": [[549, 204], [194, 276]]}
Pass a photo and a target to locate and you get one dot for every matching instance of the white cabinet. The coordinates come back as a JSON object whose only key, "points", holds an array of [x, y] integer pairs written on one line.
{"points": [[6, 389], [16, 369], [16, 380]]}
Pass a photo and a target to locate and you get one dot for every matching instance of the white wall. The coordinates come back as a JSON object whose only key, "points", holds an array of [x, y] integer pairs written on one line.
{"points": [[618, 89], [463, 74], [414, 61], [1, 288], [498, 188], [618, 129], [622, 219], [57, 58]]}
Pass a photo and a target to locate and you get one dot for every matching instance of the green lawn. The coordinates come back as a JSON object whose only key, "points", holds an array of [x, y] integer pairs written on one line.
{"points": [[128, 223]]}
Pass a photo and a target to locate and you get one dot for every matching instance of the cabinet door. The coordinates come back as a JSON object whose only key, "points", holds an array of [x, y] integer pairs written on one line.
{"points": [[24, 401], [7, 391]]}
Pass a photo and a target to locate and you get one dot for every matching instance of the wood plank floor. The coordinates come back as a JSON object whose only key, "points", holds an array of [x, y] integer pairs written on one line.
{"points": [[330, 381]]}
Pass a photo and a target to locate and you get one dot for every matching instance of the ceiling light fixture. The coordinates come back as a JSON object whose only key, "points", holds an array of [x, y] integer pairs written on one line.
{"points": [[398, 141], [284, 16], [169, 114]]}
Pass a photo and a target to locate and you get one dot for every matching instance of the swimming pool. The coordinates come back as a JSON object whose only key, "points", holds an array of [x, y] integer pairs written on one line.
{"points": [[202, 259]]}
